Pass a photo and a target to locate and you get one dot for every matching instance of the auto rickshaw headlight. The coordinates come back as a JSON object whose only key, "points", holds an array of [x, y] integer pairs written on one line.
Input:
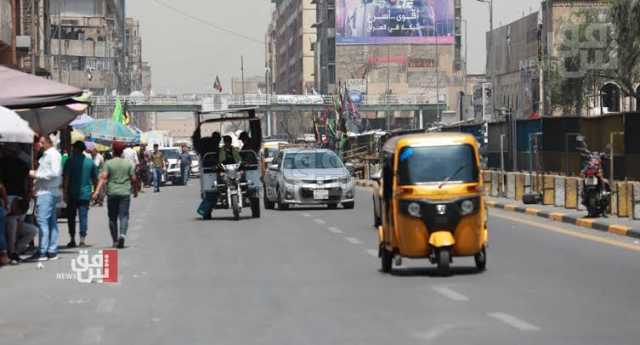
{"points": [[414, 210], [467, 207]]}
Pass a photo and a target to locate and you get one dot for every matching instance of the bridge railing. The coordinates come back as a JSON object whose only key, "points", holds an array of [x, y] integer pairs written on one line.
{"points": [[222, 100]]}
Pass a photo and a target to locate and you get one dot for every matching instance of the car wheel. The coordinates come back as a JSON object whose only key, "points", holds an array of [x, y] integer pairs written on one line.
{"points": [[282, 205], [332, 206]]}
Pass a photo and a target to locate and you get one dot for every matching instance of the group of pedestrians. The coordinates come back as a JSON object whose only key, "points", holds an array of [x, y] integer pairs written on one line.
{"points": [[82, 180]]}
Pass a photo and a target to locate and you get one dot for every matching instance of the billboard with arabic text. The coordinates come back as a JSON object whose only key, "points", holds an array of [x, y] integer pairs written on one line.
{"points": [[395, 22]]}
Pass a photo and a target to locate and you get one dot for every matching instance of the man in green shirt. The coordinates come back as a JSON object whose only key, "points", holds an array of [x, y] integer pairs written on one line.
{"points": [[120, 178], [80, 176]]}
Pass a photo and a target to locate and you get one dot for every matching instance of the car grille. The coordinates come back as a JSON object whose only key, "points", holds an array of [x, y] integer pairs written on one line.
{"points": [[309, 181], [335, 194]]}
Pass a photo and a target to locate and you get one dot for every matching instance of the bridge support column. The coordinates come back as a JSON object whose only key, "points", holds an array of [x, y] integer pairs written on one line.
{"points": [[420, 120], [269, 132]]}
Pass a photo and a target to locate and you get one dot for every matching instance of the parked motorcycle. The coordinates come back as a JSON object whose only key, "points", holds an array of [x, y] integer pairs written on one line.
{"points": [[596, 192]]}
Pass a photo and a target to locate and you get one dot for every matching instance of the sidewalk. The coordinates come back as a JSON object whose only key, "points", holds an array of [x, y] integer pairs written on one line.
{"points": [[616, 225]]}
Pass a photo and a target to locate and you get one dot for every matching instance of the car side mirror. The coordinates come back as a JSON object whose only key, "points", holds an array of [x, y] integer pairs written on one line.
{"points": [[273, 167]]}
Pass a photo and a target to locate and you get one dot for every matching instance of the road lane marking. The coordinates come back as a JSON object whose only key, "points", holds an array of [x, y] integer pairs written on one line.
{"points": [[319, 221], [372, 252], [450, 294], [434, 333], [572, 233], [353, 240], [335, 230], [305, 214], [106, 305], [92, 335], [514, 322]]}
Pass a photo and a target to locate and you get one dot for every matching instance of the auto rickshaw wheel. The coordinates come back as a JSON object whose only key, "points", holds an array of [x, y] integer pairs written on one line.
{"points": [[386, 259], [481, 259], [444, 261]]}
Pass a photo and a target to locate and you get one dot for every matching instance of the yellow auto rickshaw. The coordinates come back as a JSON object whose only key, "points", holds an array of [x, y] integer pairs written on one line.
{"points": [[432, 204]]}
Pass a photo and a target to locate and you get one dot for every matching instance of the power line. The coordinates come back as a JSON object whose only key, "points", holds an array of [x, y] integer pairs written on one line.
{"points": [[207, 23]]}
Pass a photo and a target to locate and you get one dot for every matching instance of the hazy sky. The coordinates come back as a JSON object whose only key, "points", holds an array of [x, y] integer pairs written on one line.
{"points": [[186, 55]]}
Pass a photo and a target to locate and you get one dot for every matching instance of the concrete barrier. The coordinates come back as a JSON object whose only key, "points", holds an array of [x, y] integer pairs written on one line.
{"points": [[520, 182], [623, 199], [548, 189], [613, 208], [559, 183], [486, 182], [511, 185], [580, 207], [495, 183], [635, 200], [571, 192]]}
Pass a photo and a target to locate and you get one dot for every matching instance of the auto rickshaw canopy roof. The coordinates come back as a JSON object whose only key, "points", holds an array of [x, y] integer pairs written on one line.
{"points": [[429, 139]]}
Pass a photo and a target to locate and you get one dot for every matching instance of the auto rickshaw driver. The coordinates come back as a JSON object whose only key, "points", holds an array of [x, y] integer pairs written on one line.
{"points": [[432, 205]]}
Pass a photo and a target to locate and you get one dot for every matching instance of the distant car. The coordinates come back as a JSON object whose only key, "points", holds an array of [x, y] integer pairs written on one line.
{"points": [[172, 171], [195, 164], [308, 177]]}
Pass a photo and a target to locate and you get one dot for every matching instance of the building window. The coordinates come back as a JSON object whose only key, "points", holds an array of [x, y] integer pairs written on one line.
{"points": [[331, 71]]}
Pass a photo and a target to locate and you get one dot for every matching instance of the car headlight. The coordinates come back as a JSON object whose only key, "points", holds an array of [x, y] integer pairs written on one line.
{"points": [[414, 209], [467, 207], [345, 179]]}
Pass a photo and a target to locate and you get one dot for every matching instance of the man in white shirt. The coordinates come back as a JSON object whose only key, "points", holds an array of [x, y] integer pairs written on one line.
{"points": [[131, 155], [48, 179]]}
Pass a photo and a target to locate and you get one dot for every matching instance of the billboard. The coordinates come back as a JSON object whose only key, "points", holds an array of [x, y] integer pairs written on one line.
{"points": [[395, 22]]}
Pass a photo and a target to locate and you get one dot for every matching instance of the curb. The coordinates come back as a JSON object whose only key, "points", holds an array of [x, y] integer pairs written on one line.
{"points": [[589, 223]]}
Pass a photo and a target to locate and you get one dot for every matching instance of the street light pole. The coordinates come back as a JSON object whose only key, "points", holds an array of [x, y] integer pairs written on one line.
{"points": [[490, 49]]}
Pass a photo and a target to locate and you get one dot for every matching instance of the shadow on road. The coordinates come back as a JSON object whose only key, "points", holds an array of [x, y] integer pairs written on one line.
{"points": [[432, 272]]}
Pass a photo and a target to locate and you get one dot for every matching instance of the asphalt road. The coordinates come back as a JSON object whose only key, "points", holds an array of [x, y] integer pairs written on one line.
{"points": [[311, 276]]}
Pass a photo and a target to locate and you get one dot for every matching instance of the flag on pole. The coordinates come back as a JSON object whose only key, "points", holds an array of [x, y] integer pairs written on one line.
{"points": [[118, 112], [217, 85]]}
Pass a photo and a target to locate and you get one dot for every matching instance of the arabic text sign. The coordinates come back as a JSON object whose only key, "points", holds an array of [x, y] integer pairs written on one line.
{"points": [[395, 22]]}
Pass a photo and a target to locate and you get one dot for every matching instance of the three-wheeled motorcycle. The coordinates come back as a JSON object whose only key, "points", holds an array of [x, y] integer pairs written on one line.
{"points": [[432, 203], [232, 186]]}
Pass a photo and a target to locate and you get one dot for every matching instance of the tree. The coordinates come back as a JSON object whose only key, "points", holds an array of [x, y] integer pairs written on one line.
{"points": [[624, 16]]}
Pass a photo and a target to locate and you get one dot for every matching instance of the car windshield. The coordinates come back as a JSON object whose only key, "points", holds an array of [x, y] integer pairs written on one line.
{"points": [[312, 160], [170, 154], [436, 164]]}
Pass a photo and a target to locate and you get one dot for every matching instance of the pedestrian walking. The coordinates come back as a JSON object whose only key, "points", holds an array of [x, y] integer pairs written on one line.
{"points": [[158, 164], [185, 164], [120, 179], [80, 178], [48, 180]]}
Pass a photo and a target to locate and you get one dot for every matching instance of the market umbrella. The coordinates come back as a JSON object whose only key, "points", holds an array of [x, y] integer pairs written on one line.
{"points": [[50, 119], [14, 129], [81, 120], [105, 131], [22, 90]]}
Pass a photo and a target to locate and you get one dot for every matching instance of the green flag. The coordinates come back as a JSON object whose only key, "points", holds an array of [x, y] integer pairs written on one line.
{"points": [[118, 112]]}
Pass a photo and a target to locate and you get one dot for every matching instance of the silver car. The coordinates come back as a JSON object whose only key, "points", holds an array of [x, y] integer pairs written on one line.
{"points": [[308, 177]]}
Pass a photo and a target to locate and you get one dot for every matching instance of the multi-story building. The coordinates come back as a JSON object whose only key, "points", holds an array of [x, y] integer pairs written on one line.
{"points": [[294, 36], [325, 46], [528, 59], [8, 27]]}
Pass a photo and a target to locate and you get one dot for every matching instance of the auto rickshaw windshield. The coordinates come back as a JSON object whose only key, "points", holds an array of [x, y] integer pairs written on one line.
{"points": [[436, 164]]}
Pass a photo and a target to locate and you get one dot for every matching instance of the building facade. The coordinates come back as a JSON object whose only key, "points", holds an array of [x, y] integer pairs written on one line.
{"points": [[324, 48], [293, 36]]}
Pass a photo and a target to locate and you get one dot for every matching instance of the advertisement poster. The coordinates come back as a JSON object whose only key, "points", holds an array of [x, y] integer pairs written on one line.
{"points": [[395, 22]]}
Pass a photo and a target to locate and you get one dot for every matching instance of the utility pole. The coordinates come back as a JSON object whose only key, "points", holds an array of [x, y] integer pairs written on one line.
{"points": [[242, 75], [386, 92], [33, 37], [438, 117]]}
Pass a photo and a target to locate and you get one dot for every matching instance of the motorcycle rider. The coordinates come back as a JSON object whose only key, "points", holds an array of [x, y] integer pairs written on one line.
{"points": [[229, 154]]}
